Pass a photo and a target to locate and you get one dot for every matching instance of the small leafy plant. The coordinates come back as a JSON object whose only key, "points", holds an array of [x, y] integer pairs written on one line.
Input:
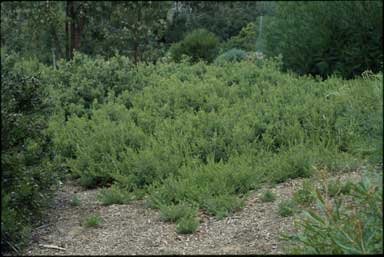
{"points": [[286, 208], [268, 196], [92, 221], [75, 201], [304, 195], [187, 225]]}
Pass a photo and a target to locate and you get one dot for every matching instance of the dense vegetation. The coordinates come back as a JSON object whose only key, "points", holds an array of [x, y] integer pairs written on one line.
{"points": [[26, 164], [189, 119], [335, 37]]}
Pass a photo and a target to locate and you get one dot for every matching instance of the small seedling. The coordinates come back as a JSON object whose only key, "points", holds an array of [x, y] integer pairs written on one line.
{"points": [[75, 201], [286, 208], [92, 221], [268, 196]]}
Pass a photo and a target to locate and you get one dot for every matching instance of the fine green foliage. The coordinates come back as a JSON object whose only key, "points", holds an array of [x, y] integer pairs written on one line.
{"points": [[232, 55], [173, 213], [268, 196], [75, 201], [113, 195], [199, 44], [222, 205], [28, 175], [168, 126], [341, 225], [187, 225], [204, 135], [92, 221], [286, 208], [246, 39], [225, 19], [347, 187]]}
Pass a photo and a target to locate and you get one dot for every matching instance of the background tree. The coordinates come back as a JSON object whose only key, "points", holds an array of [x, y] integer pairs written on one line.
{"points": [[33, 29], [225, 19], [326, 37], [130, 28]]}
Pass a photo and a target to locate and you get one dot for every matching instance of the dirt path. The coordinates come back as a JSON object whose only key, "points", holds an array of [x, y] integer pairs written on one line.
{"points": [[134, 229]]}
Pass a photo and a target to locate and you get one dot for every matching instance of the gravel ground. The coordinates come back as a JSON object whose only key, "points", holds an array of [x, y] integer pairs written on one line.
{"points": [[133, 229]]}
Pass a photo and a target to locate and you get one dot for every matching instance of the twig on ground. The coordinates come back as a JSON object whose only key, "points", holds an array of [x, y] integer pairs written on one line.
{"points": [[43, 226], [52, 247]]}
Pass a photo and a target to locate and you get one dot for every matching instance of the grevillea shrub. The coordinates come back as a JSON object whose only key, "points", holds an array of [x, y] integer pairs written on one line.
{"points": [[348, 223], [204, 135]]}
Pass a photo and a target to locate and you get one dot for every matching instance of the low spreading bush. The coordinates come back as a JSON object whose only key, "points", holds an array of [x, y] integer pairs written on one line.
{"points": [[222, 205], [205, 135], [113, 195], [173, 213]]}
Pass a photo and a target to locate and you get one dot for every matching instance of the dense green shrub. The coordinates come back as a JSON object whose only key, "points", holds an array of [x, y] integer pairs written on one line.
{"points": [[83, 83], [199, 44], [204, 135], [28, 174], [335, 37]]}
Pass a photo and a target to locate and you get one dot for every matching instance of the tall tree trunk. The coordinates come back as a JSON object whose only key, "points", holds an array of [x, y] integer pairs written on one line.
{"points": [[80, 15], [67, 43], [137, 39], [72, 17], [136, 53]]}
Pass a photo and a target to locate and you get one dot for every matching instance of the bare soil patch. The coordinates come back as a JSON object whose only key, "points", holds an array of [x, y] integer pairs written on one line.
{"points": [[134, 229]]}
